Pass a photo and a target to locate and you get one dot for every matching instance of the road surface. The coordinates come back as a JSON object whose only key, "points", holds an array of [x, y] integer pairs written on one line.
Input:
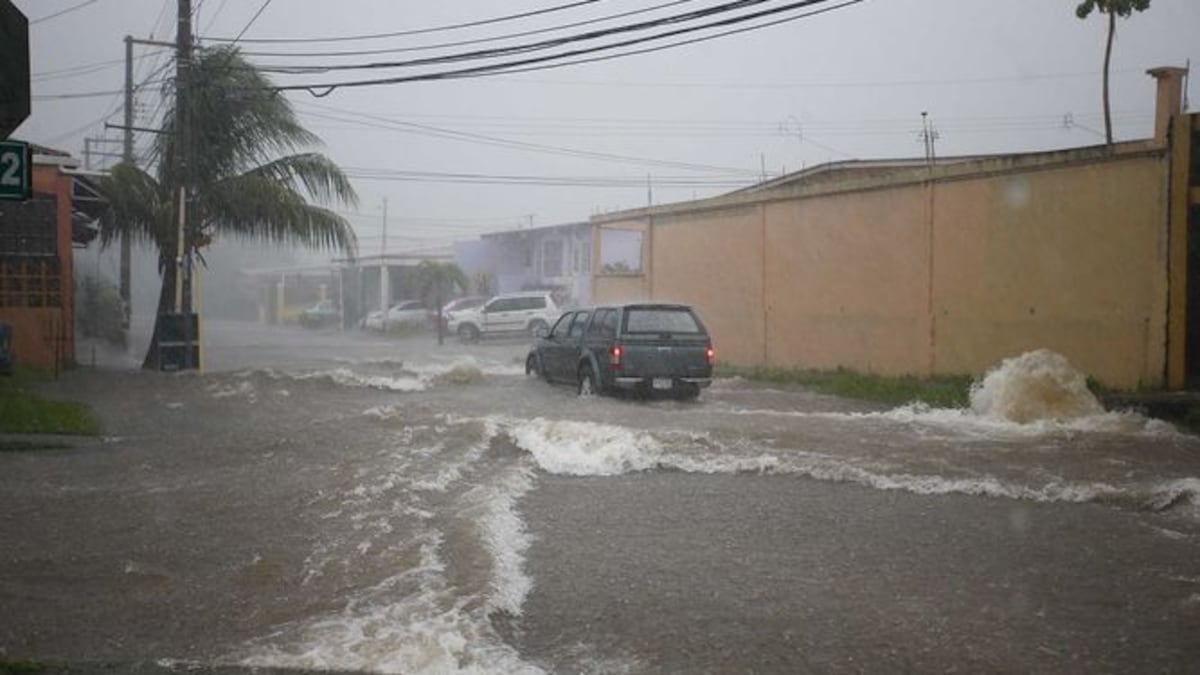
{"points": [[320, 500]]}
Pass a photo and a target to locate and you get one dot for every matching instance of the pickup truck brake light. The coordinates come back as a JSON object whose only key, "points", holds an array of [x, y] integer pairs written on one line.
{"points": [[614, 356], [710, 355]]}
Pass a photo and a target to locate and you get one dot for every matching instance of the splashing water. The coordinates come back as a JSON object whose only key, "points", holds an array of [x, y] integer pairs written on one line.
{"points": [[1037, 385]]}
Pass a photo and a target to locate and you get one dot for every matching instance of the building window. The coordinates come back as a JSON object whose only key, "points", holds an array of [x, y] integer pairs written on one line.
{"points": [[621, 252], [30, 282], [552, 258], [29, 228], [585, 257]]}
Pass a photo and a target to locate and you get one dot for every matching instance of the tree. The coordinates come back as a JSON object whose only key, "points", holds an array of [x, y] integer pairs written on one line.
{"points": [[1112, 8], [438, 281], [248, 177]]}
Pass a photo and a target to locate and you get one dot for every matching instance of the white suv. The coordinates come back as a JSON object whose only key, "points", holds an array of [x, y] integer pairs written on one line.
{"points": [[508, 314]]}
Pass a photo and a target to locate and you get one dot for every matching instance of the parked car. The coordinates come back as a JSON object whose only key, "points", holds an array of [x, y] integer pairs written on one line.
{"points": [[507, 314], [405, 313], [322, 314], [457, 305], [647, 348]]}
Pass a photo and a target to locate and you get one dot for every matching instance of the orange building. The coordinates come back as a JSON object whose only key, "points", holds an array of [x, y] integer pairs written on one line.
{"points": [[37, 238]]}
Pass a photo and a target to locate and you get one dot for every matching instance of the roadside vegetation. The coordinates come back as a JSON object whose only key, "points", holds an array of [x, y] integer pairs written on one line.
{"points": [[24, 412], [946, 391], [21, 668]]}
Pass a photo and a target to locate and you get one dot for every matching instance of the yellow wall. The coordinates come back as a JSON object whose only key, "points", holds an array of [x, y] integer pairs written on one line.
{"points": [[1071, 259], [924, 273], [847, 281], [727, 287]]}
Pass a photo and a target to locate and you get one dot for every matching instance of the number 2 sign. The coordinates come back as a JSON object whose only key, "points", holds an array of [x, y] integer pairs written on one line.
{"points": [[16, 171]]}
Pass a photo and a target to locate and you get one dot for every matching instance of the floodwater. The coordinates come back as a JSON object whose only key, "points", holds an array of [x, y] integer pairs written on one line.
{"points": [[319, 500]]}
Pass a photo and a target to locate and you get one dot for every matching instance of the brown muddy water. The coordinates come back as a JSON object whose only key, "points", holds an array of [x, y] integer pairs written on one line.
{"points": [[328, 501]]}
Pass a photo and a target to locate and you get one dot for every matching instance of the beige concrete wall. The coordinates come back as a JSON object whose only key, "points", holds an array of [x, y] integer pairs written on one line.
{"points": [[907, 275], [1071, 259], [847, 281], [714, 262]]}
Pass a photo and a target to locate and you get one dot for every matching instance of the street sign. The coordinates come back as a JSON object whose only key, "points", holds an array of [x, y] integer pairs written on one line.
{"points": [[14, 68], [16, 170]]}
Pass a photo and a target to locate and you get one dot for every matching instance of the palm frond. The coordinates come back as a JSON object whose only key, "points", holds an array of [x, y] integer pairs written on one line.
{"points": [[138, 205], [257, 206], [313, 173]]}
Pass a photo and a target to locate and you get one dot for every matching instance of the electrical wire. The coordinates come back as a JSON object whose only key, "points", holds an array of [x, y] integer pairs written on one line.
{"points": [[544, 44], [88, 69], [422, 31], [59, 13], [439, 132], [542, 62], [251, 21], [212, 19], [465, 43], [540, 181]]}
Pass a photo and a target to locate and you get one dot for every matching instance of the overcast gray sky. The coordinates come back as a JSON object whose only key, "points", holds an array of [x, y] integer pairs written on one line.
{"points": [[851, 83]]}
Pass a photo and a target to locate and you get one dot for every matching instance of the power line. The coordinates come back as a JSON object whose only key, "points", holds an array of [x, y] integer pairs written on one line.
{"points": [[464, 43], [86, 69], [681, 43], [421, 31], [412, 127], [251, 21], [541, 181], [212, 19], [543, 62], [59, 13], [550, 43]]}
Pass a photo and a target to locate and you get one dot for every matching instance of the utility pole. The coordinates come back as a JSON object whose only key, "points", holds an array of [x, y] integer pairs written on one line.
{"points": [[183, 138], [89, 153], [127, 156], [383, 272], [929, 137]]}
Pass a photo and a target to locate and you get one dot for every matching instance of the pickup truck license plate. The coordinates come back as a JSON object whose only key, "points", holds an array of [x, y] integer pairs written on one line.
{"points": [[661, 383]]}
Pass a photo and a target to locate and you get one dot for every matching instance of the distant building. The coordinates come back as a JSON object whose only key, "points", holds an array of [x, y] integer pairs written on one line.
{"points": [[556, 258]]}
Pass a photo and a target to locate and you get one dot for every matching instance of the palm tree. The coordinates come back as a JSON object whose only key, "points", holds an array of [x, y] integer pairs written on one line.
{"points": [[438, 281], [1112, 8], [248, 177]]}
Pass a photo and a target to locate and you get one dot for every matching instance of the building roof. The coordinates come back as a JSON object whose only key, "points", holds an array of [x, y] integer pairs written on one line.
{"points": [[518, 232]]}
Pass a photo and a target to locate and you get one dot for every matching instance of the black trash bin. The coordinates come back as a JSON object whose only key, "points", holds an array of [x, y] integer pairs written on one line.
{"points": [[178, 346]]}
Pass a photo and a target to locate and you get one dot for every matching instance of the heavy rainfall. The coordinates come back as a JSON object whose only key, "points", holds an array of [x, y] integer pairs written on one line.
{"points": [[239, 434]]}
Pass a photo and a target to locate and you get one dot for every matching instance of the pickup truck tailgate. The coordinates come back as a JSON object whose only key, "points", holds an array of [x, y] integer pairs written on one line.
{"points": [[665, 356]]}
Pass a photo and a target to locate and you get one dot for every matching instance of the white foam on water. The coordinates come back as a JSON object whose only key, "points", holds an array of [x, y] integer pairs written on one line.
{"points": [[426, 632], [485, 366], [346, 378], [349, 378], [416, 621], [585, 448], [594, 449], [1037, 385], [243, 388], [507, 541]]}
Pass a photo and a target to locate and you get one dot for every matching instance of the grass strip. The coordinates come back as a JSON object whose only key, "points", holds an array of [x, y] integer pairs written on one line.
{"points": [[943, 391], [23, 412], [21, 668]]}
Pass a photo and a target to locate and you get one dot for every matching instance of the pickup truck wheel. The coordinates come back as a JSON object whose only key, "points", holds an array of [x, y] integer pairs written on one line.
{"points": [[588, 386], [687, 392], [532, 367], [468, 333]]}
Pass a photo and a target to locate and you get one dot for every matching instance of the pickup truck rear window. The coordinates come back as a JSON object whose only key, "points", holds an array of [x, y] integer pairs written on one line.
{"points": [[661, 320]]}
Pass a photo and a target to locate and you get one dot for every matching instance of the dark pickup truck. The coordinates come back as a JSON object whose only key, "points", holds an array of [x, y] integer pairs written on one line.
{"points": [[645, 348]]}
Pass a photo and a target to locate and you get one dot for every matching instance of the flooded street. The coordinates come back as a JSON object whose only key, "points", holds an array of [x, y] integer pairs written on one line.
{"points": [[319, 500]]}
